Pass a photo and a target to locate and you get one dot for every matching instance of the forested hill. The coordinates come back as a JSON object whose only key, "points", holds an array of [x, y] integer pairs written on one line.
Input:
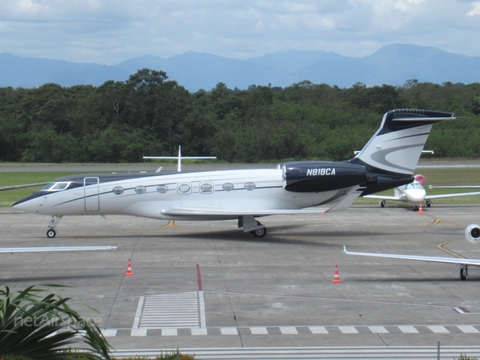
{"points": [[120, 121]]}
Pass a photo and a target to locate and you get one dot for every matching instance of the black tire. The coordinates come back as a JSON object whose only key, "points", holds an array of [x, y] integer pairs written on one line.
{"points": [[259, 232], [51, 233]]}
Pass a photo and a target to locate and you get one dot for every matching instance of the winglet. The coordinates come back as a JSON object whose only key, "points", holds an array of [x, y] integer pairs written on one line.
{"points": [[345, 249]]}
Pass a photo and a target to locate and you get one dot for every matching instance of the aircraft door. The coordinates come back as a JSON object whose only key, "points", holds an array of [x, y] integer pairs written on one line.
{"points": [[91, 187]]}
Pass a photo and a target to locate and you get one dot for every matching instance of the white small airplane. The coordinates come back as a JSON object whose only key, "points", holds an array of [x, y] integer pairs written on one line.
{"points": [[415, 193], [472, 234], [54, 248], [297, 187], [179, 158]]}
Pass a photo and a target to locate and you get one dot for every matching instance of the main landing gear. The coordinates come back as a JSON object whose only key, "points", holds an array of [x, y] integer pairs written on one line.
{"points": [[259, 232], [463, 272], [251, 225], [51, 231], [382, 203]]}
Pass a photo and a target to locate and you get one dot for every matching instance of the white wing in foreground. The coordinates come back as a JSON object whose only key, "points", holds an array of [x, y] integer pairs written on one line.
{"points": [[55, 248], [441, 196], [446, 260]]}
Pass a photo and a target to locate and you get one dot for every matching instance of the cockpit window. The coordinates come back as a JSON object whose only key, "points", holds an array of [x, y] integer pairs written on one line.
{"points": [[56, 186], [414, 185]]}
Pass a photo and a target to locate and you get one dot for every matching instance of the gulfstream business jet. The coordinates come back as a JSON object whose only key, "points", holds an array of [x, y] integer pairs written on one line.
{"points": [[299, 187]]}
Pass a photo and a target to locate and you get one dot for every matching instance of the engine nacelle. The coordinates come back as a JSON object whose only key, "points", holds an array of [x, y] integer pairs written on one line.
{"points": [[420, 178], [472, 233], [315, 176]]}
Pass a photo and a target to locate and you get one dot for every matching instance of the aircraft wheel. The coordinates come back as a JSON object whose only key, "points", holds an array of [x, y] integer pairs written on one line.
{"points": [[415, 208], [428, 203], [259, 232], [463, 273], [382, 203], [51, 233]]}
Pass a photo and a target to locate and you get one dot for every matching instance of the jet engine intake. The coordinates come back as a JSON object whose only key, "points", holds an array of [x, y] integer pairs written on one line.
{"points": [[315, 176], [472, 233]]}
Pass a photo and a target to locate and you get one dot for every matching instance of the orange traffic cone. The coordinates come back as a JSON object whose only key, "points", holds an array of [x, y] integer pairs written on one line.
{"points": [[420, 209], [129, 271], [336, 278]]}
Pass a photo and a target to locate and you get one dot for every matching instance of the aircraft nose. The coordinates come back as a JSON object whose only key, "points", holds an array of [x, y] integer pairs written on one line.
{"points": [[26, 204], [416, 195]]}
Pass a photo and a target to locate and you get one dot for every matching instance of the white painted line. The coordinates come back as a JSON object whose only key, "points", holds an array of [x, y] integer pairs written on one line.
{"points": [[202, 331], [229, 331], [318, 329], [138, 314], [378, 329], [138, 332], [467, 329], [109, 332], [258, 330], [201, 308], [408, 329], [438, 329], [288, 330], [169, 332], [348, 329]]}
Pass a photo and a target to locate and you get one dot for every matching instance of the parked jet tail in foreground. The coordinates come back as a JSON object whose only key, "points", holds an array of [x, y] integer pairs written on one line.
{"points": [[472, 234], [298, 187]]}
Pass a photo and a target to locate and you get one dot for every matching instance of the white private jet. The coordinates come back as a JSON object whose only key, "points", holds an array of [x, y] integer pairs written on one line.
{"points": [[297, 187], [415, 193], [472, 234]]}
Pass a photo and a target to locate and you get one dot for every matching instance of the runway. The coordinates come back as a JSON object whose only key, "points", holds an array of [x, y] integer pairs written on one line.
{"points": [[208, 288]]}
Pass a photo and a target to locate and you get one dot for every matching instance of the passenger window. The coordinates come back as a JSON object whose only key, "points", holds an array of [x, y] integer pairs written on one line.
{"points": [[227, 186], [140, 189], [118, 190], [206, 188], [184, 189], [249, 186], [162, 189]]}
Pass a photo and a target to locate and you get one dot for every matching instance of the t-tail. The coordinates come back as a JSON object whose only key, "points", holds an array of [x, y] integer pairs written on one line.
{"points": [[391, 155]]}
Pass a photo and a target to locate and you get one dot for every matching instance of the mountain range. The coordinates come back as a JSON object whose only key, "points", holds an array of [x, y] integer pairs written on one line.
{"points": [[392, 64]]}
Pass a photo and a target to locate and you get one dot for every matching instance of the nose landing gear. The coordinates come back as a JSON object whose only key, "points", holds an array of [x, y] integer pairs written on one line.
{"points": [[51, 231]]}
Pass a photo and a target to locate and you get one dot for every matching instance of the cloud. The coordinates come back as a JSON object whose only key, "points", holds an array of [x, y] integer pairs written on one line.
{"points": [[475, 10], [109, 31]]}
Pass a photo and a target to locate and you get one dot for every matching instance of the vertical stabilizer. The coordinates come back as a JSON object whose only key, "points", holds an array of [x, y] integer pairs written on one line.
{"points": [[392, 154], [398, 143]]}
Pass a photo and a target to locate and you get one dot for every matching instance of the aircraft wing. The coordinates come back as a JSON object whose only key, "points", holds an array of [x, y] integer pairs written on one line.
{"points": [[446, 260], [382, 197], [54, 248], [231, 212], [343, 204], [441, 196]]}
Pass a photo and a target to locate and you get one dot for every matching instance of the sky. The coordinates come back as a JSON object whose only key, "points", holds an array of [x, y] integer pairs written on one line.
{"points": [[111, 31]]}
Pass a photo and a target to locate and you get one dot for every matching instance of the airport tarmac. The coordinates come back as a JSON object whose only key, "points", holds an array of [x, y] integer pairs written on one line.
{"points": [[207, 286]]}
